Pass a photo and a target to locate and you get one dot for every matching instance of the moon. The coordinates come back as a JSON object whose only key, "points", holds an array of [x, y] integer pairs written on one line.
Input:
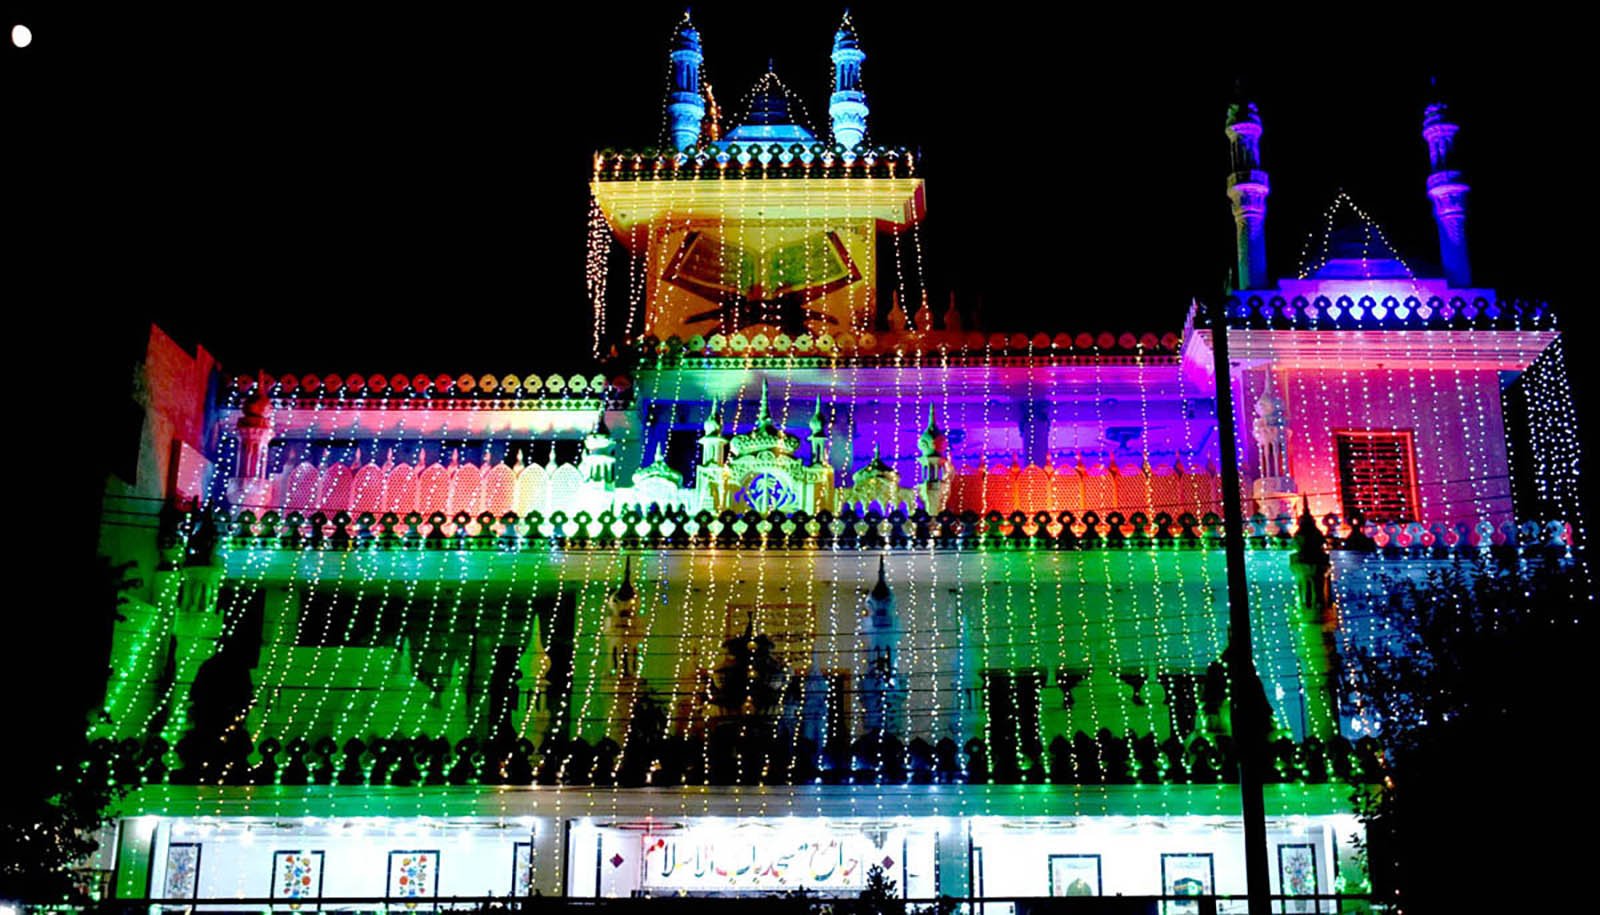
{"points": [[21, 36]]}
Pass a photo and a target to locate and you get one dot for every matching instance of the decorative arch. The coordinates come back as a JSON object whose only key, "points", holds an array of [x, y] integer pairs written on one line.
{"points": [[433, 489], [499, 489], [466, 491], [532, 490], [400, 490], [366, 491], [302, 489]]}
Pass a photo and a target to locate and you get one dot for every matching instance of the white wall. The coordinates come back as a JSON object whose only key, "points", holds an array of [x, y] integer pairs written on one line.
{"points": [[1016, 854], [475, 856]]}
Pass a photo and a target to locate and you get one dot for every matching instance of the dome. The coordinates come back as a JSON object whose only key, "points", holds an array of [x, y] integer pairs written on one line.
{"points": [[769, 116], [1354, 247]]}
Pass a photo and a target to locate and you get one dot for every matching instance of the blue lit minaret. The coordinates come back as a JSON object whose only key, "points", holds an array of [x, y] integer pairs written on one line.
{"points": [[686, 107], [1448, 192], [847, 107], [1248, 188]]}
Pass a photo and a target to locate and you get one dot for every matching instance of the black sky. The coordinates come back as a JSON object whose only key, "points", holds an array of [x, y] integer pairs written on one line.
{"points": [[407, 192]]}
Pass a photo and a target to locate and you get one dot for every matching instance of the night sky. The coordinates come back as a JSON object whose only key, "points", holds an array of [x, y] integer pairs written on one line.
{"points": [[408, 193]]}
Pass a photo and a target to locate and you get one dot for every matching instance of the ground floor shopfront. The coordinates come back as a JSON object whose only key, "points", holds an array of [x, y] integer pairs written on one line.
{"points": [[968, 841]]}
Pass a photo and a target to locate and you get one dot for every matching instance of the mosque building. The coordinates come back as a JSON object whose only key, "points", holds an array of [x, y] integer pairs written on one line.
{"points": [[805, 576]]}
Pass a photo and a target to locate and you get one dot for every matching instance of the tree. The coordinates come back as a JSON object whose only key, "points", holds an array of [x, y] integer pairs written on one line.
{"points": [[879, 897], [1478, 691], [64, 785]]}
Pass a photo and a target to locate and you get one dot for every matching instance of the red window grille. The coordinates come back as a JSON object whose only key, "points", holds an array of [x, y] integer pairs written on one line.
{"points": [[1378, 474]]}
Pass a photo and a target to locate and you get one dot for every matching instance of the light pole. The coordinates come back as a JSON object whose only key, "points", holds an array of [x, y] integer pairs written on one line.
{"points": [[1249, 733]]}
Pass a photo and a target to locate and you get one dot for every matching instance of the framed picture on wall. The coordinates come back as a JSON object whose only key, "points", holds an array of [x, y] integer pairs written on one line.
{"points": [[1074, 875], [1297, 875], [1187, 874], [413, 875], [183, 871], [296, 876], [521, 868]]}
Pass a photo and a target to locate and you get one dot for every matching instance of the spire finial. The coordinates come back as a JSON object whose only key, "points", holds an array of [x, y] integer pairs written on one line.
{"points": [[625, 592], [764, 412], [932, 441], [880, 591]]}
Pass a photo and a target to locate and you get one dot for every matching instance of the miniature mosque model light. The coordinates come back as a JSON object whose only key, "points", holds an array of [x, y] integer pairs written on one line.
{"points": [[802, 575]]}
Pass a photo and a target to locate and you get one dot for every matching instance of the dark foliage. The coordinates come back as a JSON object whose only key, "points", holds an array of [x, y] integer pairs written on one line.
{"points": [[48, 828], [1484, 681]]}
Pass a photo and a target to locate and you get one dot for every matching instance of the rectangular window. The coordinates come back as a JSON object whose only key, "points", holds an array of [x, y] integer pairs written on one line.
{"points": [[1378, 474], [1011, 699]]}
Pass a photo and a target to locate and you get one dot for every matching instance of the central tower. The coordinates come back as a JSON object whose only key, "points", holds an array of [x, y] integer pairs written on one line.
{"points": [[769, 230]]}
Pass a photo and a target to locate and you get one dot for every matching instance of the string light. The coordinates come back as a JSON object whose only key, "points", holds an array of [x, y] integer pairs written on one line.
{"points": [[1124, 612]]}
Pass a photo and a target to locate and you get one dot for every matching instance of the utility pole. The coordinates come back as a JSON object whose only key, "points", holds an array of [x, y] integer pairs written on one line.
{"points": [[1249, 740]]}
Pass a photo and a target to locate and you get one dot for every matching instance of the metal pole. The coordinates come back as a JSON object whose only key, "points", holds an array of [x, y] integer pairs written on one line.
{"points": [[1249, 740]]}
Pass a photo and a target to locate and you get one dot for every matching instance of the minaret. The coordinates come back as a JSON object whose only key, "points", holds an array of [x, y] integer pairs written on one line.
{"points": [[934, 465], [686, 106], [711, 478], [1314, 636], [599, 461], [1248, 188], [847, 107], [883, 695], [713, 443], [252, 484], [621, 624], [255, 431], [623, 637], [819, 437], [1448, 191]]}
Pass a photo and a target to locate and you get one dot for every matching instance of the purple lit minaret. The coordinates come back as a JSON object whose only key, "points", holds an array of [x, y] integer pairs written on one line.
{"points": [[1248, 188], [1448, 192]]}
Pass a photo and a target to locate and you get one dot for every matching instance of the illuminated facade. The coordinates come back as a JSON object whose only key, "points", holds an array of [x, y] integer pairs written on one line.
{"points": [[810, 578]]}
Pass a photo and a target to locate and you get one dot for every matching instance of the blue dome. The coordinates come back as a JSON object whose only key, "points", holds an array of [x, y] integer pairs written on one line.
{"points": [[768, 118]]}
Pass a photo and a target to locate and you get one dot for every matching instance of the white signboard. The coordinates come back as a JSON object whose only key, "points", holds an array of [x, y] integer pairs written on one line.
{"points": [[749, 860]]}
